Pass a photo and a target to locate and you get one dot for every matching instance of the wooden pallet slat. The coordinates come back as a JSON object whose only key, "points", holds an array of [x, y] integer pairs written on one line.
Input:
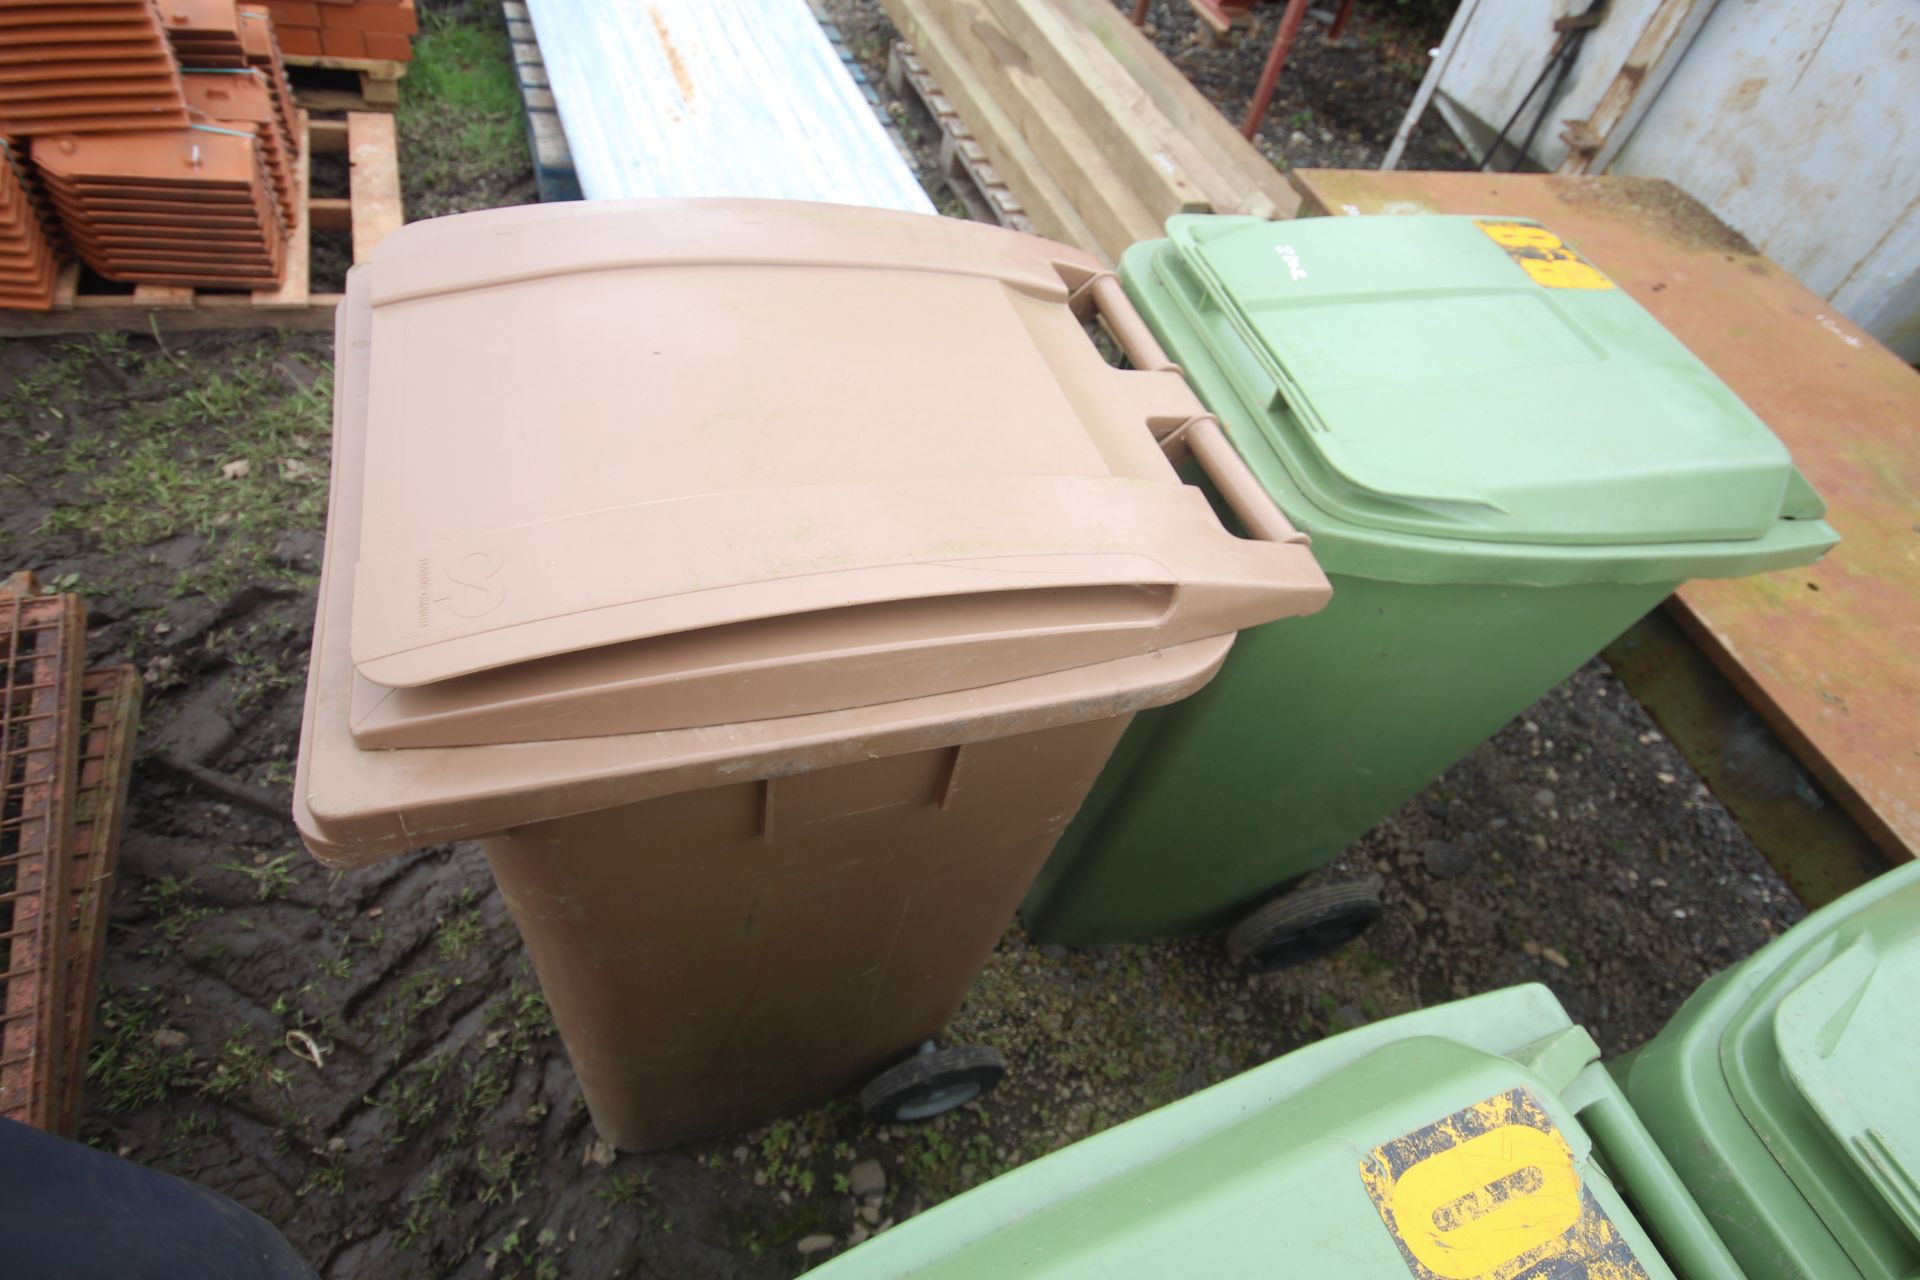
{"points": [[1168, 171], [1046, 203], [1184, 107], [373, 162], [1110, 204], [1091, 128], [379, 83], [294, 290], [962, 161]]}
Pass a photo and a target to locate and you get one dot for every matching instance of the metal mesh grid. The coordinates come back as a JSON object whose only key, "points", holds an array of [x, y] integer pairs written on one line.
{"points": [[109, 712], [40, 654]]}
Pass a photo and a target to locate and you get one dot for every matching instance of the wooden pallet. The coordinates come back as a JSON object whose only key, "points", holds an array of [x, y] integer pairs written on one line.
{"points": [[553, 173], [1098, 135], [370, 212], [313, 89], [963, 161]]}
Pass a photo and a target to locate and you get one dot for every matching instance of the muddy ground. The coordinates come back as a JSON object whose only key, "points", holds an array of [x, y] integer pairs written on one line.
{"points": [[366, 1059]]}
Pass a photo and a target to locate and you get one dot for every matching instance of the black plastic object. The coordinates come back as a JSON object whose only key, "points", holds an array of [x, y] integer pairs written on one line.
{"points": [[1304, 925], [79, 1214], [932, 1083]]}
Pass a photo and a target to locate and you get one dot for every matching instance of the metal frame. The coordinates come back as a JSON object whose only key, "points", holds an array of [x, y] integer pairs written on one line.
{"points": [[41, 647]]}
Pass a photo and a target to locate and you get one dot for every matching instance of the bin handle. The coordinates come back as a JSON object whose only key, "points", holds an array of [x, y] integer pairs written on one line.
{"points": [[1201, 434]]}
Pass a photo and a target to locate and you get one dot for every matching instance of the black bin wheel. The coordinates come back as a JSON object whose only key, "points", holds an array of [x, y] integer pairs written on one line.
{"points": [[1304, 925], [932, 1083]]}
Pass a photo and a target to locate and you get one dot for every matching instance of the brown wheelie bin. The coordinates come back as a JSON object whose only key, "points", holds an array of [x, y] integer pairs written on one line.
{"points": [[763, 585]]}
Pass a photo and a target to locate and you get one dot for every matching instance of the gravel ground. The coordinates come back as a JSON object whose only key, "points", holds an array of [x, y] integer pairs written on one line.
{"points": [[442, 1134]]}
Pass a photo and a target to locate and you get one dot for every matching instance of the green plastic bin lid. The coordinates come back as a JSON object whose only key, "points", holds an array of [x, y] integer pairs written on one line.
{"points": [[1824, 1062], [1440, 1144], [1473, 379], [1850, 1043]]}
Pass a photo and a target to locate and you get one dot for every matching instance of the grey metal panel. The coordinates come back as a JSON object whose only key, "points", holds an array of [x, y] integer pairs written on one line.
{"points": [[1799, 124], [1504, 47], [1796, 121], [715, 98]]}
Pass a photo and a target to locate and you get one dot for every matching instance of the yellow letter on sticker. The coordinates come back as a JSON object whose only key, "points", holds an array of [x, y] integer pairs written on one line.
{"points": [[1492, 1192], [1564, 273], [1519, 235], [1498, 1211], [1542, 255]]}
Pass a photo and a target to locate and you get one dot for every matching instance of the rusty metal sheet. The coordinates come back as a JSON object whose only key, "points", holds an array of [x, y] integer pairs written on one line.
{"points": [[109, 716], [1826, 654], [41, 643]]}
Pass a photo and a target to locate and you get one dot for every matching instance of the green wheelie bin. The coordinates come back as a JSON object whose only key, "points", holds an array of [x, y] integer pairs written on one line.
{"points": [[1503, 462], [1768, 1133], [1479, 1140], [1784, 1093]]}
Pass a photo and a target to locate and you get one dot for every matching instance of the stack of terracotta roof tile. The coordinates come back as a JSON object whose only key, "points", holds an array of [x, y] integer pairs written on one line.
{"points": [[379, 29], [28, 263], [244, 100], [204, 33], [231, 67], [263, 55], [85, 66], [193, 206], [206, 195]]}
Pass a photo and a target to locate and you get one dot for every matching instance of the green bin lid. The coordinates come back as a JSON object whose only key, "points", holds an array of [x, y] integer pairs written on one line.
{"points": [[1444, 1143], [1823, 1061], [1424, 379]]}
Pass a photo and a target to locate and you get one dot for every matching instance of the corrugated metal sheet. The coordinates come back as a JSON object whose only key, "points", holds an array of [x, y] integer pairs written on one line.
{"points": [[715, 98], [1795, 123], [1501, 52], [1799, 124]]}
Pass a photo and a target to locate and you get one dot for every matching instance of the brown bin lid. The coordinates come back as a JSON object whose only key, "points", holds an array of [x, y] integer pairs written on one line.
{"points": [[649, 486]]}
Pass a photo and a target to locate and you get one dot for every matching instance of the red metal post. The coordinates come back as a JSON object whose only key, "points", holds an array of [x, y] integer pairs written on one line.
{"points": [[1140, 12], [1339, 26], [1270, 74]]}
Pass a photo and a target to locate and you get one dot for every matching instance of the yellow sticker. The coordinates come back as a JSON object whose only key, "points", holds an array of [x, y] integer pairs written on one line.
{"points": [[1492, 1192], [1542, 256]]}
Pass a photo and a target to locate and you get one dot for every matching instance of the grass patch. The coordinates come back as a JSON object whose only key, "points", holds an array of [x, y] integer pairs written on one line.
{"points": [[460, 108], [126, 1069], [461, 929], [229, 445], [271, 878]]}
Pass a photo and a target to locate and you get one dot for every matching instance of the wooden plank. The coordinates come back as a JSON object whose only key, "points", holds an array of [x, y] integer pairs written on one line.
{"points": [[380, 91], [384, 68], [1103, 198], [1221, 171], [66, 286], [963, 162], [330, 213], [1165, 170], [374, 178], [327, 137], [210, 312], [162, 297], [294, 284], [1046, 203], [1668, 31], [331, 99], [1825, 654], [1182, 104]]}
